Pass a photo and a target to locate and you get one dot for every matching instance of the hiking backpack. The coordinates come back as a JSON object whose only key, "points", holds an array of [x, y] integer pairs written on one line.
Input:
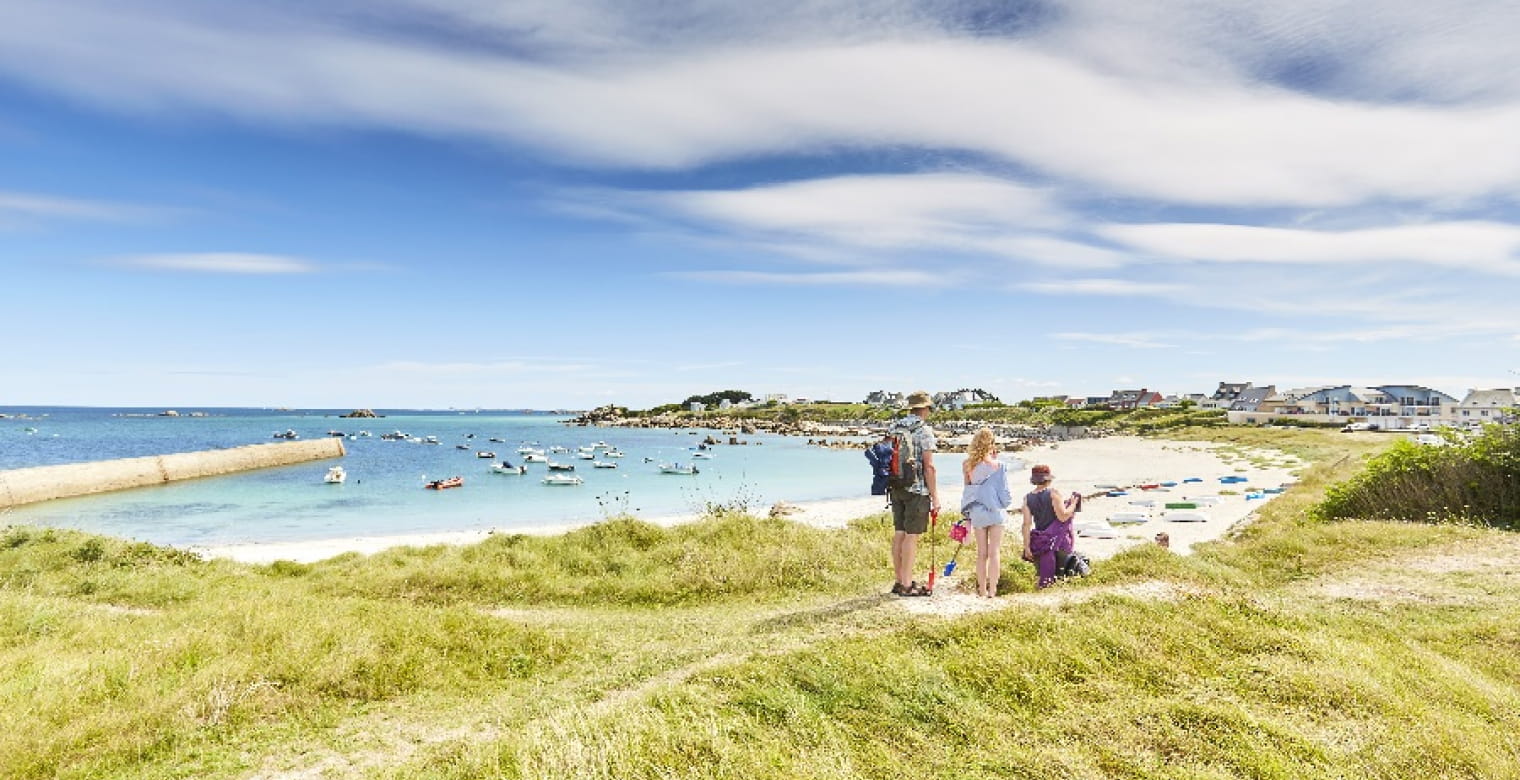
{"points": [[907, 461]]}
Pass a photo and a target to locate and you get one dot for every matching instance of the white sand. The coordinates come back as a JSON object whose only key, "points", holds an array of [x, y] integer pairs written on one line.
{"points": [[1078, 465]]}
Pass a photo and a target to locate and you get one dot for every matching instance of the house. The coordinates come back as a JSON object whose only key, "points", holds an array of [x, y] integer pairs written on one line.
{"points": [[724, 403], [775, 398], [1125, 400], [696, 406], [884, 398], [1252, 398], [956, 399], [1416, 401], [1229, 391], [1484, 406]]}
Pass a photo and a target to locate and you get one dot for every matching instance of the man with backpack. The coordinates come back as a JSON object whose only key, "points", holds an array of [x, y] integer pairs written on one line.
{"points": [[913, 490]]}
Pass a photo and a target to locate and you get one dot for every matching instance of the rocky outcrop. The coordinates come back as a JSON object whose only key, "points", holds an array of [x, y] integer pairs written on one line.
{"points": [[361, 413]]}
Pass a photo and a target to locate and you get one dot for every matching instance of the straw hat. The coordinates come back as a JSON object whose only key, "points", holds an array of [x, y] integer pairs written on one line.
{"points": [[919, 400]]}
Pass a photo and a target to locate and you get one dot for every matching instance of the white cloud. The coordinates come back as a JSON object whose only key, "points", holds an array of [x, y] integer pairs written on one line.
{"points": [[219, 263], [1484, 246], [887, 210], [29, 205], [877, 278], [1136, 340], [1111, 287], [1225, 137]]}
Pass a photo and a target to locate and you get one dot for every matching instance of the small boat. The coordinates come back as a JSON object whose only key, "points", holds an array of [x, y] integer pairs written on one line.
{"points": [[603, 464], [338, 434], [502, 468], [1233, 479], [702, 454], [1181, 505], [1116, 493], [465, 447], [525, 449], [561, 466], [394, 436], [1193, 479], [1096, 529], [562, 479], [430, 440], [1169, 484], [1105, 487], [286, 434], [496, 440], [1272, 490], [1128, 518], [677, 468], [444, 484], [1255, 496], [1205, 500], [486, 454], [535, 457], [335, 476], [1144, 502], [557, 449], [364, 434], [586, 455], [1185, 517], [1152, 486], [613, 454]]}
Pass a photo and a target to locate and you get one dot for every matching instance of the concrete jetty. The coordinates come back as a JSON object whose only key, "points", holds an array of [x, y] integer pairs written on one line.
{"points": [[43, 483]]}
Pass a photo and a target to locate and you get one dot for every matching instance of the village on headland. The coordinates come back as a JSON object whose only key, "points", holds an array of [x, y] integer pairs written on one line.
{"points": [[1407, 408]]}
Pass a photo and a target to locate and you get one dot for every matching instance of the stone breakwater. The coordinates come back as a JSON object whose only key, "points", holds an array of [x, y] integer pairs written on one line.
{"points": [[43, 483]]}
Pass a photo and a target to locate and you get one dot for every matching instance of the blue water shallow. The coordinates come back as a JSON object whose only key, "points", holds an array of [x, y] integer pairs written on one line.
{"points": [[384, 494]]}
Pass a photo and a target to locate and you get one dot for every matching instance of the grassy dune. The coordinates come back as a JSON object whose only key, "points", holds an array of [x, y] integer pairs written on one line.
{"points": [[745, 647]]}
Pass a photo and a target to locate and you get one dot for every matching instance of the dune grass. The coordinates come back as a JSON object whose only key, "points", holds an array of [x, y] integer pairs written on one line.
{"points": [[755, 648]]}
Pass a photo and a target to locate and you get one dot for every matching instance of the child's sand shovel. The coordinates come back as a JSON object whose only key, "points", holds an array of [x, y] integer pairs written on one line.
{"points": [[957, 534]]}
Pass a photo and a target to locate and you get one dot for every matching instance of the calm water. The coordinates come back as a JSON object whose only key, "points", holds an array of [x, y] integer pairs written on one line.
{"points": [[384, 493]]}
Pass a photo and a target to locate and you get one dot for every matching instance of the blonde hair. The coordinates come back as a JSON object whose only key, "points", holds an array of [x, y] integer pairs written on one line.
{"points": [[982, 445]]}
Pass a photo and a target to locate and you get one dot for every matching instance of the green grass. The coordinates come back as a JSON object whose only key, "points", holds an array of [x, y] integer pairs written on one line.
{"points": [[755, 648]]}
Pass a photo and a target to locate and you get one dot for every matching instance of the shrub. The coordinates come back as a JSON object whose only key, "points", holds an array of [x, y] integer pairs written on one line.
{"points": [[1474, 482]]}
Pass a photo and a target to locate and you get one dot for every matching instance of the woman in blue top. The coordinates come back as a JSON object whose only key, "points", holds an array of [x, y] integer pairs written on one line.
{"points": [[984, 502]]}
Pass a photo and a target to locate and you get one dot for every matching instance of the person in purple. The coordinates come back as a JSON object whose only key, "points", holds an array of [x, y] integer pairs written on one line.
{"points": [[1048, 538]]}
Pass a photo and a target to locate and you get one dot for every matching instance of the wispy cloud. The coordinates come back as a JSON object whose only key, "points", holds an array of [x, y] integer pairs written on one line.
{"points": [[15, 206], [1136, 340], [1482, 246], [881, 278], [1109, 287], [219, 263], [1232, 136]]}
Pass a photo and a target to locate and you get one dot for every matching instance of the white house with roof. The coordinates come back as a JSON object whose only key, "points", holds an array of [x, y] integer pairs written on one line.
{"points": [[1389, 406], [1485, 406]]}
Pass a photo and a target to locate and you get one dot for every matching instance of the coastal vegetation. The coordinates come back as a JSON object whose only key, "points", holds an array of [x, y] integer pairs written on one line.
{"points": [[1475, 480], [1025, 413], [737, 646]]}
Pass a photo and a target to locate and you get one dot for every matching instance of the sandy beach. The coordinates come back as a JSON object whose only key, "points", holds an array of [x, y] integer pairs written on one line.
{"points": [[1082, 465]]}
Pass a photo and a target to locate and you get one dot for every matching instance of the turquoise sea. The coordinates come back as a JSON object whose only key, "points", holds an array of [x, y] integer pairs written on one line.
{"points": [[384, 493]]}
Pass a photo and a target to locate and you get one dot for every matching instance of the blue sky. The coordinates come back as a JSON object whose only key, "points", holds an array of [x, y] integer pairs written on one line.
{"points": [[435, 203]]}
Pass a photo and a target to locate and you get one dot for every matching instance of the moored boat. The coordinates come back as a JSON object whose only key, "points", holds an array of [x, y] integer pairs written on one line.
{"points": [[335, 476], [562, 479]]}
